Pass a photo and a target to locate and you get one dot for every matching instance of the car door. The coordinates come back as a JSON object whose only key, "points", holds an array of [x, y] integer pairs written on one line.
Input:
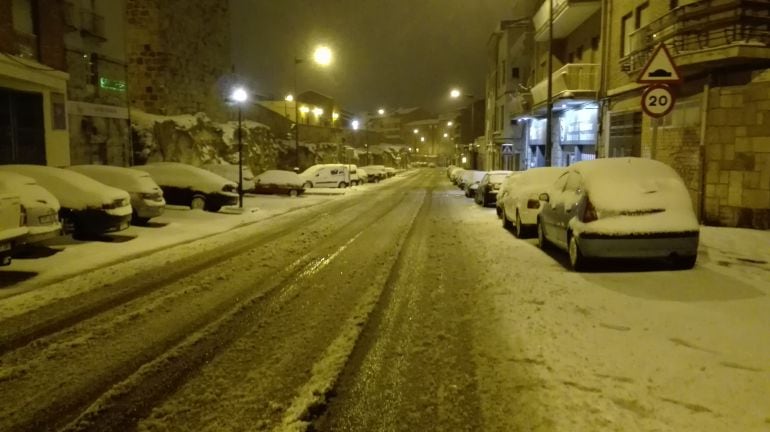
{"points": [[569, 203], [325, 177], [549, 214]]}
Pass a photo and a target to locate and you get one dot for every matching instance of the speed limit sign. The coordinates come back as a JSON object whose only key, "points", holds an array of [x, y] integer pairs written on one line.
{"points": [[658, 100]]}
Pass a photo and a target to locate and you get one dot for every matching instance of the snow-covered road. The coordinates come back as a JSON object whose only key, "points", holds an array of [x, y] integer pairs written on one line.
{"points": [[408, 308]]}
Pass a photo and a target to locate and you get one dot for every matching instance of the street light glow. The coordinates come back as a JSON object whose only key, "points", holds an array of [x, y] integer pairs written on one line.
{"points": [[335, 115], [455, 93], [239, 95], [422, 139], [289, 98], [355, 124], [449, 123], [304, 109], [416, 131], [381, 111], [322, 55], [318, 111], [446, 135]]}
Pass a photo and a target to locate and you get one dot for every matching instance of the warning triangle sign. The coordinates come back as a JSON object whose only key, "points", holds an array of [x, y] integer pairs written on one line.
{"points": [[660, 68]]}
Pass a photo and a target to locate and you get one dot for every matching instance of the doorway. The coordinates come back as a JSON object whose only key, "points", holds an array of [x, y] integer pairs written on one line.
{"points": [[22, 134]]}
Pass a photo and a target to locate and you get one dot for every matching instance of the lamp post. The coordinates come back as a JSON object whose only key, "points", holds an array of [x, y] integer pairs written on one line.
{"points": [[454, 94], [239, 96], [549, 104], [321, 56]]}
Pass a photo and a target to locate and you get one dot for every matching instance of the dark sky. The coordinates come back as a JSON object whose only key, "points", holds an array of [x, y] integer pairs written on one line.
{"points": [[391, 53]]}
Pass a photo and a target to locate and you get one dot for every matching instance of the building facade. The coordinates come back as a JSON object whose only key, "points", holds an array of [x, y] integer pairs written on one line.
{"points": [[33, 83]]}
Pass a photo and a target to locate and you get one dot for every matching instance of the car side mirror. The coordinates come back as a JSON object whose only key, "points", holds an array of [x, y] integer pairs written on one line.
{"points": [[544, 197]]}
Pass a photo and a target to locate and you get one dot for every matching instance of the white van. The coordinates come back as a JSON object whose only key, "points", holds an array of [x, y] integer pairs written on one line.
{"points": [[326, 175]]}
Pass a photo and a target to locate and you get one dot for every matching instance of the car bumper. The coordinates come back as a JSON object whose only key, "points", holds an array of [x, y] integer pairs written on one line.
{"points": [[221, 200], [41, 233], [97, 221], [147, 210], [659, 245]]}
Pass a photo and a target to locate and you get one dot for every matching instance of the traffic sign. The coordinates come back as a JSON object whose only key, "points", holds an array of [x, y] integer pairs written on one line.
{"points": [[660, 68], [658, 100]]}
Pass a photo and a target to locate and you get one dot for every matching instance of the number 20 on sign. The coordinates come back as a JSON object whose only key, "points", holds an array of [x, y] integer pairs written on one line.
{"points": [[658, 100]]}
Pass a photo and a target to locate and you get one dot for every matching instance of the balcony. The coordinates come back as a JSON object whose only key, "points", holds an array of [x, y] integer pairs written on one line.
{"points": [[567, 16], [573, 81], [92, 24], [706, 33], [520, 104]]}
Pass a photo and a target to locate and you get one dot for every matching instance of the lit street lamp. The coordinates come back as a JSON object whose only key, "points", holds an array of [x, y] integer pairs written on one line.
{"points": [[322, 56], [381, 111], [454, 94], [239, 96]]}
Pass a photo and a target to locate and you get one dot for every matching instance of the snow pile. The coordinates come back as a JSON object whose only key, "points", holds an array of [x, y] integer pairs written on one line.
{"points": [[127, 179], [73, 190], [185, 176]]}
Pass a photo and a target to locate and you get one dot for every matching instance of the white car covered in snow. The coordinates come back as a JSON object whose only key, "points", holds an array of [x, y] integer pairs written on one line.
{"points": [[40, 209], [11, 227], [146, 196], [520, 204], [87, 206], [620, 208], [279, 182], [326, 175], [191, 186]]}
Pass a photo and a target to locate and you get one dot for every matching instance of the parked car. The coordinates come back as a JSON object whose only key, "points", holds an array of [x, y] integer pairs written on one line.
{"points": [[191, 186], [40, 209], [363, 176], [146, 196], [620, 208], [230, 172], [468, 178], [521, 203], [503, 192], [325, 175], [376, 173], [279, 182], [88, 207], [489, 185], [355, 178], [11, 223], [455, 174], [390, 171]]}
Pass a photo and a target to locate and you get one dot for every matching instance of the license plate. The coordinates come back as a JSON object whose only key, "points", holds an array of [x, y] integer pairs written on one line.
{"points": [[47, 219], [5, 247]]}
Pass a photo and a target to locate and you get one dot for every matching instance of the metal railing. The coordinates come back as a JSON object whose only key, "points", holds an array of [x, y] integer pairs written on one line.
{"points": [[702, 25], [92, 23], [578, 79]]}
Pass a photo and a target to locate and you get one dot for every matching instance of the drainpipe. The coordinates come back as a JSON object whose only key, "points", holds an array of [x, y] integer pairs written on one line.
{"points": [[702, 148], [601, 96]]}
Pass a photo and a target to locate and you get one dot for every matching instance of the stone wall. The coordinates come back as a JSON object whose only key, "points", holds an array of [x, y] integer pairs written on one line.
{"points": [[179, 56], [738, 154]]}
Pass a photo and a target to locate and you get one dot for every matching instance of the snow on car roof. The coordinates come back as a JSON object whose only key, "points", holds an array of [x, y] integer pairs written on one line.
{"points": [[30, 192], [72, 189], [279, 177], [127, 179], [175, 174], [229, 171], [633, 183]]}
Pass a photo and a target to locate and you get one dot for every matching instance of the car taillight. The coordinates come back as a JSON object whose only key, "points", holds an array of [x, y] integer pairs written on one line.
{"points": [[589, 213], [23, 217], [533, 204]]}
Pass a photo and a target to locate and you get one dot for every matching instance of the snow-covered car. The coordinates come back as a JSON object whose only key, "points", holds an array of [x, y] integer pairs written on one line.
{"points": [[279, 182], [468, 178], [11, 226], [489, 185], [191, 186], [325, 175], [363, 176], [390, 171], [376, 173], [87, 206], [521, 203], [620, 208], [40, 209], [230, 172], [455, 174], [146, 196]]}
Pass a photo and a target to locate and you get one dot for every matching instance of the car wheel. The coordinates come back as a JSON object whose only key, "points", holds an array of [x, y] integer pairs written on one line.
{"points": [[342, 185], [307, 185], [506, 223], [293, 193], [499, 212], [685, 262], [139, 221], [519, 228], [198, 202], [542, 241], [576, 258]]}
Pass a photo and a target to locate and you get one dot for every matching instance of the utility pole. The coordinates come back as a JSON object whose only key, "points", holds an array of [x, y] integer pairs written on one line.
{"points": [[549, 108]]}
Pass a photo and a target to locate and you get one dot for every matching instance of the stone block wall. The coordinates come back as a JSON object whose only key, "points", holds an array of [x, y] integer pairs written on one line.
{"points": [[738, 155]]}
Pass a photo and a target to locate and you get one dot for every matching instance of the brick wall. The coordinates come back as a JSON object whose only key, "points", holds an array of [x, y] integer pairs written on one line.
{"points": [[50, 18]]}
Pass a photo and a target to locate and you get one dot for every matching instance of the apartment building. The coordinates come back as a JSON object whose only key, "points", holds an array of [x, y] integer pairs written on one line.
{"points": [[33, 83], [718, 135], [97, 108]]}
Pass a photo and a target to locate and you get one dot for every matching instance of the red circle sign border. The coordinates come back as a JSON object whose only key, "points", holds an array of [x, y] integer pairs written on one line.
{"points": [[655, 87]]}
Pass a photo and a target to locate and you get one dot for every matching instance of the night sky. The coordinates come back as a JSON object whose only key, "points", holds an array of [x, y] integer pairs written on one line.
{"points": [[391, 53]]}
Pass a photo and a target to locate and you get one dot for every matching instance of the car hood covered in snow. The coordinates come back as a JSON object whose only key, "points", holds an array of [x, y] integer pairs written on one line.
{"points": [[173, 174], [73, 190], [30, 192], [127, 179]]}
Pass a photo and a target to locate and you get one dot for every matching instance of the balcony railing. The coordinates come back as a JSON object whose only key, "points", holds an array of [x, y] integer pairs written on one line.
{"points": [[702, 25], [26, 45], [567, 16], [574, 80], [91, 24]]}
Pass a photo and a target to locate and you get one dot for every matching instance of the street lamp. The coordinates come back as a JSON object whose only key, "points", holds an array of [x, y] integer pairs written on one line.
{"points": [[416, 131], [381, 111], [239, 96], [322, 56], [449, 123], [355, 124], [456, 93]]}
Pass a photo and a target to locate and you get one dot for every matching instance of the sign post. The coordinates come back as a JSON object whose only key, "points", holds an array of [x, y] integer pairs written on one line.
{"points": [[658, 99]]}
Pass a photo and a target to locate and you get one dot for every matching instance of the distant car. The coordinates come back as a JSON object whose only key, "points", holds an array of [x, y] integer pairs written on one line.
{"points": [[230, 172], [88, 207], [11, 227], [620, 208], [376, 173], [146, 196], [40, 209], [489, 185], [521, 203], [455, 174], [469, 177], [325, 175], [279, 182], [191, 186], [363, 176]]}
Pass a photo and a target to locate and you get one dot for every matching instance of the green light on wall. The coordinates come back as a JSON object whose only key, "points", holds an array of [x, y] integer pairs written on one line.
{"points": [[114, 85]]}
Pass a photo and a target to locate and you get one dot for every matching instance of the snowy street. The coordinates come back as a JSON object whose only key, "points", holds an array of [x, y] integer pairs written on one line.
{"points": [[398, 306]]}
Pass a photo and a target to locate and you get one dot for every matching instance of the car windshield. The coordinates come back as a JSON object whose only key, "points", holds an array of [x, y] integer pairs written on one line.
{"points": [[350, 215]]}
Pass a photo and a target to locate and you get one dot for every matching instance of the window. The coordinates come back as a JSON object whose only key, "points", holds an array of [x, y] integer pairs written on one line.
{"points": [[515, 73], [579, 54], [92, 68], [625, 35], [642, 15]]}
